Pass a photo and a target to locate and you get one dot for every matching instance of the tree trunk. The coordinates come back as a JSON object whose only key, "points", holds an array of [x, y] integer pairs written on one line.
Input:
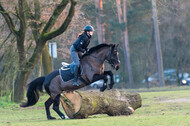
{"points": [[114, 103], [22, 77], [46, 61], [126, 44], [158, 45], [99, 8], [20, 82], [124, 36], [39, 67]]}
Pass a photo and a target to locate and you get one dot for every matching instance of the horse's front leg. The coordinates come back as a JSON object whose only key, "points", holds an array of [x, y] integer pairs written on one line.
{"points": [[110, 86], [99, 77]]}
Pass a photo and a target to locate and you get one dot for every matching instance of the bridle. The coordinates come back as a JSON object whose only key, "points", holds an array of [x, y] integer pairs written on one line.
{"points": [[111, 59]]}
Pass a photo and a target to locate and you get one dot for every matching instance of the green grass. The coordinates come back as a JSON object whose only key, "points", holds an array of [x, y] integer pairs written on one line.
{"points": [[161, 107]]}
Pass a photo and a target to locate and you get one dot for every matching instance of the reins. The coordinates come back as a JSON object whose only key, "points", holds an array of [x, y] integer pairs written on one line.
{"points": [[110, 60]]}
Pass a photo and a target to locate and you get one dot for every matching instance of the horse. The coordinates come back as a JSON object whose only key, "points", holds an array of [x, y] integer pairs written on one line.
{"points": [[92, 69]]}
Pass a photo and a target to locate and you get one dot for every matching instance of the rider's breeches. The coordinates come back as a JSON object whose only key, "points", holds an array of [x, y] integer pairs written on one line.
{"points": [[74, 56]]}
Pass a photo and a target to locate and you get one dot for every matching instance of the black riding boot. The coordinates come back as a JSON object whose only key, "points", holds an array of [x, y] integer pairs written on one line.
{"points": [[76, 76]]}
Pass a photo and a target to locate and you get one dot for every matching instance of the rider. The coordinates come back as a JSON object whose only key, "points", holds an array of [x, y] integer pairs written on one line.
{"points": [[80, 45]]}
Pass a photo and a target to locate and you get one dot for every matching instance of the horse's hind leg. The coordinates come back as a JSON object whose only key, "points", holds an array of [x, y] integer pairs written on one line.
{"points": [[56, 106], [47, 105]]}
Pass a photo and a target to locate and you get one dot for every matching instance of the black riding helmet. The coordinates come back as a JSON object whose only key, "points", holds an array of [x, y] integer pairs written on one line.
{"points": [[88, 28]]}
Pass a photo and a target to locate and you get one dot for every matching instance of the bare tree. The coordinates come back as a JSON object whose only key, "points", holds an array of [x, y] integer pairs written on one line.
{"points": [[26, 65]]}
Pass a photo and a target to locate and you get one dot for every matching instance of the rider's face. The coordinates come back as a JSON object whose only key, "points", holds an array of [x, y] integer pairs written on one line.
{"points": [[91, 33]]}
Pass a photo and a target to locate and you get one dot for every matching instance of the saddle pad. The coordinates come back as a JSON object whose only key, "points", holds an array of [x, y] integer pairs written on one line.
{"points": [[66, 74], [68, 66]]}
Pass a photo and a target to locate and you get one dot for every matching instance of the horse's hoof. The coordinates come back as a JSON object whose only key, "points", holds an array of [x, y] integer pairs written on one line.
{"points": [[51, 118], [110, 86], [102, 89], [62, 117]]}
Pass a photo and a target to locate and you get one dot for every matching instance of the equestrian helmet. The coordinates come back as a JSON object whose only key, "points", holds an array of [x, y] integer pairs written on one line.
{"points": [[88, 28]]}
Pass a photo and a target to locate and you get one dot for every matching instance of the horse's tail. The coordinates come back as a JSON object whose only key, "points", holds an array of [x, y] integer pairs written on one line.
{"points": [[33, 92]]}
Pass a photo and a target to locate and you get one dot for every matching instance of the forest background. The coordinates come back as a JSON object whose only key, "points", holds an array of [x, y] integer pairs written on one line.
{"points": [[174, 28]]}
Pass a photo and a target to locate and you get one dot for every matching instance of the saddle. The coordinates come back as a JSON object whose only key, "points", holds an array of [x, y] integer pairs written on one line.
{"points": [[67, 71], [66, 66]]}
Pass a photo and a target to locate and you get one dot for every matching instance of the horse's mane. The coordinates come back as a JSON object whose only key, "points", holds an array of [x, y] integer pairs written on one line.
{"points": [[95, 48]]}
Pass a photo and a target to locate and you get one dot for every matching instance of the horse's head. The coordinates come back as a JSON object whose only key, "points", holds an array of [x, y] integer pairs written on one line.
{"points": [[113, 58]]}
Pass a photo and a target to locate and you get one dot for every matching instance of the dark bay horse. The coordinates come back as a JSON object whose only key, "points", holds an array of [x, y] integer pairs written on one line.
{"points": [[93, 70]]}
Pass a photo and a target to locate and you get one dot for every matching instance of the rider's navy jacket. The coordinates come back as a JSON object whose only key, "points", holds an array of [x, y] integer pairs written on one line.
{"points": [[82, 42]]}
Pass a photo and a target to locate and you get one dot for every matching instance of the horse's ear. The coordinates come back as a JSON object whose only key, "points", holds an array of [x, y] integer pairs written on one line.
{"points": [[117, 45], [113, 46]]}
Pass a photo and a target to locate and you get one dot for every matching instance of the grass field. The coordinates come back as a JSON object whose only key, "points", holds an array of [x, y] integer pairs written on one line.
{"points": [[160, 107]]}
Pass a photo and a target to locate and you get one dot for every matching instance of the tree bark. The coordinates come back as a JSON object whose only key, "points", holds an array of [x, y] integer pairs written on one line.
{"points": [[78, 105], [158, 45], [18, 92], [46, 61]]}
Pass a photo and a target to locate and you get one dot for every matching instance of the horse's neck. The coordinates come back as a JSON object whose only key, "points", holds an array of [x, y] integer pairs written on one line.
{"points": [[96, 59], [95, 63], [101, 54]]}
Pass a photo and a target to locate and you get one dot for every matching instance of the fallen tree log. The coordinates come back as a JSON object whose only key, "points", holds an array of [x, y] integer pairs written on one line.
{"points": [[78, 105]]}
